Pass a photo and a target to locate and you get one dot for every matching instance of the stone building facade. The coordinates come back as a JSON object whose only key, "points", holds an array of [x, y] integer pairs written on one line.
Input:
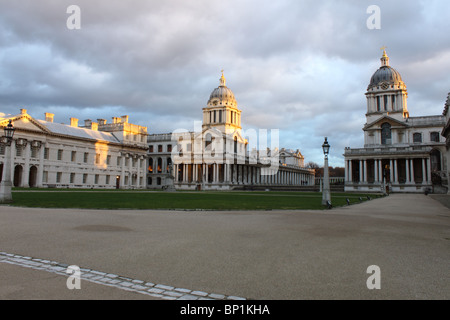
{"points": [[400, 153], [446, 135], [94, 155], [219, 155]]}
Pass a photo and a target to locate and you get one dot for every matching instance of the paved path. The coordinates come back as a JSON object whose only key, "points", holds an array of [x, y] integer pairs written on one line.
{"points": [[214, 255]]}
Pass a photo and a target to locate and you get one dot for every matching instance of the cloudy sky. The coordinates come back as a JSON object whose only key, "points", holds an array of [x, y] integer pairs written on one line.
{"points": [[298, 66]]}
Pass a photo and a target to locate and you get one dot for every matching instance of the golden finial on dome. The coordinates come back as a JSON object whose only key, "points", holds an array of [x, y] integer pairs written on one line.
{"points": [[222, 79], [384, 58]]}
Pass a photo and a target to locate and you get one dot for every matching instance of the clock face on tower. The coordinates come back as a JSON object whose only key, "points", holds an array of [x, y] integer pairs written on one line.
{"points": [[215, 102], [384, 85]]}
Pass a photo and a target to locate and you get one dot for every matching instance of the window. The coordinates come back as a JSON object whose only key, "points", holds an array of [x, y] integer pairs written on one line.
{"points": [[386, 133], [393, 102], [85, 176], [45, 177], [220, 116], [58, 177], [46, 152], [108, 159], [73, 156], [160, 148], [72, 177], [169, 148], [119, 160], [60, 154], [97, 158], [378, 104], [150, 165], [96, 179], [86, 157], [150, 148], [159, 165], [417, 137], [19, 151], [107, 179], [434, 136], [34, 153], [215, 116], [385, 102]]}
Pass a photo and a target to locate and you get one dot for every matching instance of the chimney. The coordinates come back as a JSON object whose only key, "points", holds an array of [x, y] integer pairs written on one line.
{"points": [[101, 122], [94, 126], [73, 122], [23, 111], [49, 117], [125, 119], [87, 123], [116, 120]]}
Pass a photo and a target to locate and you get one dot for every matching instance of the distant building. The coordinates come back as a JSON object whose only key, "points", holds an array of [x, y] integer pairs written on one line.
{"points": [[217, 155], [401, 153], [95, 155]]}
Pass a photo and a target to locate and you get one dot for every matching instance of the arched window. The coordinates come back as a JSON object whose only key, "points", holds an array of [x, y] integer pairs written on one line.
{"points": [[208, 141], [159, 165], [386, 133], [150, 165]]}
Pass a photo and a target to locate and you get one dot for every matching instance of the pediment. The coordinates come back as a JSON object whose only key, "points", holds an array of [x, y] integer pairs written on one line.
{"points": [[376, 125], [25, 122]]}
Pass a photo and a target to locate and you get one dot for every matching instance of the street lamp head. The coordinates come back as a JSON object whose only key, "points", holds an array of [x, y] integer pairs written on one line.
{"points": [[326, 147], [9, 131]]}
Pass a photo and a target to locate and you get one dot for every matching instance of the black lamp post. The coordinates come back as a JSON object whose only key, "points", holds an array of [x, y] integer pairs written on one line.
{"points": [[6, 184], [326, 197]]}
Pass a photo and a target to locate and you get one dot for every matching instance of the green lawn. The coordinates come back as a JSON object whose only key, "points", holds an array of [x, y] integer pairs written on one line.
{"points": [[233, 200]]}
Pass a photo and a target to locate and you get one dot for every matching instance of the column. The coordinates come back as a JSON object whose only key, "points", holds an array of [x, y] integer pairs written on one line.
{"points": [[396, 171], [391, 171], [412, 170], [360, 171], [26, 169], [423, 171], [407, 170], [365, 171], [375, 171], [122, 173], [350, 173], [428, 170], [40, 173], [138, 174], [380, 170]]}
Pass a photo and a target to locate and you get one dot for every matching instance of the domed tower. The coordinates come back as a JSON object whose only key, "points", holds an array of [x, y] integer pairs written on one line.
{"points": [[386, 93], [221, 111]]}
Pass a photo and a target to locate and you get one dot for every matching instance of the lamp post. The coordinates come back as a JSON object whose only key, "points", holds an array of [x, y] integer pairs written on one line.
{"points": [[6, 184], [326, 198]]}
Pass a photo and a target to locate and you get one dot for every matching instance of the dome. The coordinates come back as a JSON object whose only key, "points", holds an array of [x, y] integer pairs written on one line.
{"points": [[222, 95], [385, 75]]}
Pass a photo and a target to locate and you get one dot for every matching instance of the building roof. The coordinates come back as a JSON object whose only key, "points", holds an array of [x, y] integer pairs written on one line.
{"points": [[385, 74], [222, 95], [78, 132]]}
